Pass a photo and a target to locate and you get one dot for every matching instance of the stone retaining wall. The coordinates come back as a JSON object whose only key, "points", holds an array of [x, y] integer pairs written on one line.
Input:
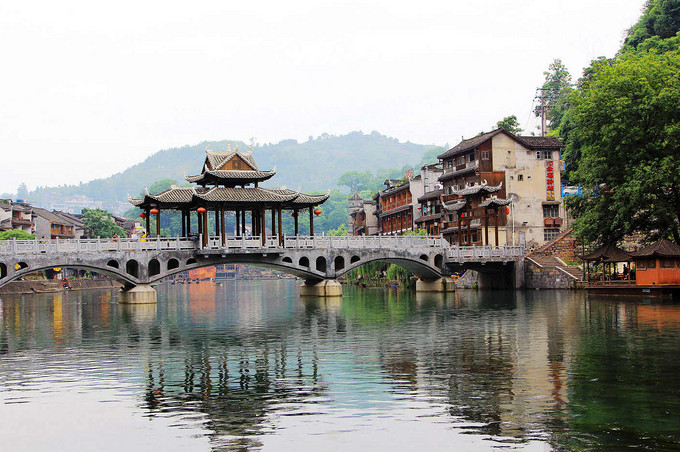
{"points": [[537, 277], [54, 285]]}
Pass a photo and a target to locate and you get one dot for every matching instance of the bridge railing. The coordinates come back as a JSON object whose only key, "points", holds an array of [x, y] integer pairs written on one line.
{"points": [[362, 242], [96, 245], [463, 253]]}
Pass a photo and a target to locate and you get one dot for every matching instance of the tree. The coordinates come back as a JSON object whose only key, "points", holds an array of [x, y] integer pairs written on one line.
{"points": [[356, 180], [16, 234], [510, 124], [22, 191], [99, 223], [555, 93], [627, 120], [660, 18]]}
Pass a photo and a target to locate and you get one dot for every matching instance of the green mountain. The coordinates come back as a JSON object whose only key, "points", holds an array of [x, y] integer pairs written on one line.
{"points": [[314, 165]]}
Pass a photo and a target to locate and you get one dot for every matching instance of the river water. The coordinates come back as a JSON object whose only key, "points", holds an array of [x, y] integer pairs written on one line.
{"points": [[248, 365]]}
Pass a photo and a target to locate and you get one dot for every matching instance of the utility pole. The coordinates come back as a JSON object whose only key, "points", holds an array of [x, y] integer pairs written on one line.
{"points": [[541, 110]]}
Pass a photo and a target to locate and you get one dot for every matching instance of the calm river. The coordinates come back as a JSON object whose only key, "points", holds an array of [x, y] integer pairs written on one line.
{"points": [[248, 365]]}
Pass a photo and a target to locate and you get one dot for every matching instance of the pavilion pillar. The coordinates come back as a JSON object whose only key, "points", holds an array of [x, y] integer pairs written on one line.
{"points": [[237, 224], [280, 228], [188, 222], [263, 226], [495, 224], [587, 272], [295, 216], [273, 222], [311, 221], [243, 222], [217, 221], [158, 223], [148, 221], [253, 223], [205, 228], [184, 224], [486, 226], [222, 225]]}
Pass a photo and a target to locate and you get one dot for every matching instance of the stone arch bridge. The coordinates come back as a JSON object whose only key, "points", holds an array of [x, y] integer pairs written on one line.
{"points": [[316, 259]]}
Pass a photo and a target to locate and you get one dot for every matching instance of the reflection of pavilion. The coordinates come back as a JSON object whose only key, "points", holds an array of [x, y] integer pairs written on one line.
{"points": [[224, 185]]}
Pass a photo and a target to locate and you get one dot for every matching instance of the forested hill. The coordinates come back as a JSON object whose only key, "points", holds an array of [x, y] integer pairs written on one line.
{"points": [[314, 165]]}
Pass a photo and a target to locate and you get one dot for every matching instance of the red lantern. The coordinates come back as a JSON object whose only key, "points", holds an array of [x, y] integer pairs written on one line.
{"points": [[294, 214], [154, 211], [507, 211], [143, 214], [317, 212], [201, 210]]}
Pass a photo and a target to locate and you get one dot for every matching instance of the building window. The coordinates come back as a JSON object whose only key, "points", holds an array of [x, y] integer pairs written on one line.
{"points": [[667, 263], [544, 155], [551, 211], [520, 177], [471, 157], [485, 155], [550, 234], [449, 164]]}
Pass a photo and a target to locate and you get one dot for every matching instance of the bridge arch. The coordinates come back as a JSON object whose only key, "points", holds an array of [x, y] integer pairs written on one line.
{"points": [[304, 261], [172, 264], [132, 268], [111, 272], [154, 267], [339, 263], [354, 259], [3, 270], [113, 263], [416, 266], [321, 264]]}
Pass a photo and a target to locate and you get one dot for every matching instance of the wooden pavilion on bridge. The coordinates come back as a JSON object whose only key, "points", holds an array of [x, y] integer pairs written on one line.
{"points": [[229, 182]]}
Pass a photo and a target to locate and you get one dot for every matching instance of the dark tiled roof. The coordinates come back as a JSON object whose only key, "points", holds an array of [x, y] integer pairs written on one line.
{"points": [[217, 159], [431, 195], [608, 253], [470, 143], [475, 189], [541, 142], [662, 248], [245, 195], [530, 142], [431, 217], [453, 174], [495, 202], [217, 175], [454, 206]]}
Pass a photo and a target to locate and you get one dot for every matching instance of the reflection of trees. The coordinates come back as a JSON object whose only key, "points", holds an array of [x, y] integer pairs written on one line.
{"points": [[624, 385]]}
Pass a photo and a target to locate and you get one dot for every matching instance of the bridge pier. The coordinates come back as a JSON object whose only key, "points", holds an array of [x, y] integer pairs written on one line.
{"points": [[444, 284], [325, 288], [141, 294]]}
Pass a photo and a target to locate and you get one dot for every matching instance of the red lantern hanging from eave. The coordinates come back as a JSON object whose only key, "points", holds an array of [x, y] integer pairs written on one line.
{"points": [[294, 214], [201, 210], [507, 211], [154, 211], [143, 215], [317, 212]]}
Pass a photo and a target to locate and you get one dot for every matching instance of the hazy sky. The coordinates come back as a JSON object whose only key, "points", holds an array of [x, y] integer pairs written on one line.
{"points": [[90, 88]]}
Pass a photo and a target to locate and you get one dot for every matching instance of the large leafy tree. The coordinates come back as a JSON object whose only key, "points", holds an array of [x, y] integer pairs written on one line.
{"points": [[511, 124], [99, 223], [660, 18], [627, 121]]}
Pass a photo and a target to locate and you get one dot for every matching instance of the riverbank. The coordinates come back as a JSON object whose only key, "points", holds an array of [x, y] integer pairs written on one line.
{"points": [[54, 285]]}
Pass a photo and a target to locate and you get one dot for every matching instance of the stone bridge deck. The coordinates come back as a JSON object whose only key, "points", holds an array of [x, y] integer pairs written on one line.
{"points": [[314, 258]]}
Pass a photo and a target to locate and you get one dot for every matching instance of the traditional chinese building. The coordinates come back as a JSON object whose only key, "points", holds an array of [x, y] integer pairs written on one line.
{"points": [[57, 225], [658, 264], [504, 180], [16, 215], [229, 182], [362, 215]]}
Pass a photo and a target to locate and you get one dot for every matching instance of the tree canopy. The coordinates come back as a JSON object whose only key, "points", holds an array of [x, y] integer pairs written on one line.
{"points": [[510, 124], [16, 234], [626, 120], [100, 223]]}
